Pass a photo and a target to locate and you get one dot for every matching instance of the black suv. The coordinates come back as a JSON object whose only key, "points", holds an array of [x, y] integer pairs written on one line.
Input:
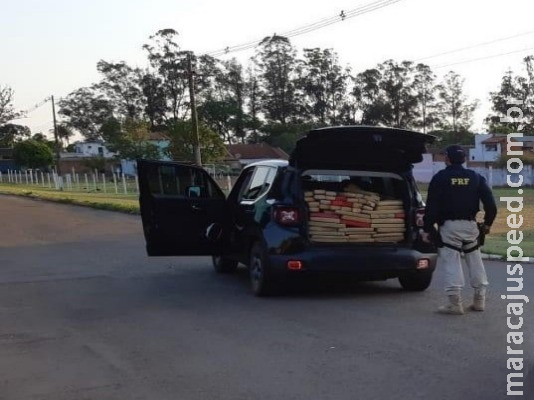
{"points": [[346, 202]]}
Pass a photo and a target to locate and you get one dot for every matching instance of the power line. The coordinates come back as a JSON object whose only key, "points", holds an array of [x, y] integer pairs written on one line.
{"points": [[475, 46], [34, 107], [482, 58], [342, 16]]}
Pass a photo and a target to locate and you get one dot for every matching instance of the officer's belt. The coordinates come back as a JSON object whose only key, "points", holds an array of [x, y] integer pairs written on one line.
{"points": [[461, 249]]}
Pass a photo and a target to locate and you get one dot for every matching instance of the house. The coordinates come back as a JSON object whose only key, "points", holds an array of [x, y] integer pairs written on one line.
{"points": [[6, 160], [489, 148], [92, 149], [240, 155]]}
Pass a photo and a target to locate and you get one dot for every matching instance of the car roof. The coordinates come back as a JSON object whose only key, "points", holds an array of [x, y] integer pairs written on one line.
{"points": [[269, 163]]}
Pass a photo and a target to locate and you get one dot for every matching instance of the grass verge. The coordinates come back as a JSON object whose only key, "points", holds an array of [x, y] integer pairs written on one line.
{"points": [[104, 201], [496, 242]]}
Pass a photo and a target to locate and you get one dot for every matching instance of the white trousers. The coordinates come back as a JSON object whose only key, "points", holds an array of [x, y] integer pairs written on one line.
{"points": [[463, 235]]}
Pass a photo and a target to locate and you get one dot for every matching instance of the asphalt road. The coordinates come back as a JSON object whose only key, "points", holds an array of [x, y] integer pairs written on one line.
{"points": [[84, 314]]}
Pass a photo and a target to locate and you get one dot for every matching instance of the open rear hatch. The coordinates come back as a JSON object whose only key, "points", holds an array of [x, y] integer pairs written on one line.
{"points": [[355, 182], [360, 147]]}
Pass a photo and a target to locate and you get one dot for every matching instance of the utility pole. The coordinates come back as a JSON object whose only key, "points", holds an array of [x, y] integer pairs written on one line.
{"points": [[56, 137], [194, 117]]}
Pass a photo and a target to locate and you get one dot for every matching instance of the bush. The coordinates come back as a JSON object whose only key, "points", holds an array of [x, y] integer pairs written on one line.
{"points": [[32, 154]]}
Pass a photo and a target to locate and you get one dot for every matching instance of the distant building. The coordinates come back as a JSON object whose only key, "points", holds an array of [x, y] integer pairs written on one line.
{"points": [[489, 148], [6, 160], [91, 149]]}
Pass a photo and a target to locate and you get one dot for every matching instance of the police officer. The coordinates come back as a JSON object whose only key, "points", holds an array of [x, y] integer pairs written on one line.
{"points": [[454, 197]]}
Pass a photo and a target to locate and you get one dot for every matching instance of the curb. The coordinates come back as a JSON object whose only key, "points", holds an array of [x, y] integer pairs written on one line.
{"points": [[498, 257]]}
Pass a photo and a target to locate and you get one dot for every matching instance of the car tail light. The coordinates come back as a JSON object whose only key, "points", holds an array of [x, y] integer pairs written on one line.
{"points": [[294, 265], [420, 217], [423, 263], [287, 216]]}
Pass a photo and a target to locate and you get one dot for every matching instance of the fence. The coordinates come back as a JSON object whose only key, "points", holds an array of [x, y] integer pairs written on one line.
{"points": [[95, 182], [115, 183], [423, 173]]}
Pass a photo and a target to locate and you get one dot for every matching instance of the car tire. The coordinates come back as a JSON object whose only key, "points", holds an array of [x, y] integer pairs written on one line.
{"points": [[416, 281], [261, 279], [223, 265]]}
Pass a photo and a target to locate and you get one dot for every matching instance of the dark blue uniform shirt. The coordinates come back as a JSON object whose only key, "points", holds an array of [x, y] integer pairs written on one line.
{"points": [[456, 193]]}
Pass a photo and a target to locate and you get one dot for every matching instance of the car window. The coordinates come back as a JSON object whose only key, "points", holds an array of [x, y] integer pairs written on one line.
{"points": [[241, 185], [168, 181], [182, 181], [260, 183]]}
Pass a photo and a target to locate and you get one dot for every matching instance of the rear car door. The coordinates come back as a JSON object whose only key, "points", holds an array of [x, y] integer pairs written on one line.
{"points": [[184, 212], [253, 183]]}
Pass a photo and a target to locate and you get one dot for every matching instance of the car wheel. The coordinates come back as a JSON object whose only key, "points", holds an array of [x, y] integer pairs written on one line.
{"points": [[223, 265], [416, 281], [261, 280]]}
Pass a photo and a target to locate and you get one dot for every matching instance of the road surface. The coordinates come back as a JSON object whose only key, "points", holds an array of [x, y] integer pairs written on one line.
{"points": [[86, 315]]}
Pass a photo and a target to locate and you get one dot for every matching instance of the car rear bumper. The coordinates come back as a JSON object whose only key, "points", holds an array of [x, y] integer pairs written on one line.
{"points": [[379, 262]]}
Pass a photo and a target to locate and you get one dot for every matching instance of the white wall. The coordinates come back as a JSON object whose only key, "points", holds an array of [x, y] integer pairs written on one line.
{"points": [[495, 177], [479, 152], [91, 149]]}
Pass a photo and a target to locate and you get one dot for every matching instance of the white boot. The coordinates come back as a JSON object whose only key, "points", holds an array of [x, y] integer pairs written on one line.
{"points": [[479, 301], [454, 307]]}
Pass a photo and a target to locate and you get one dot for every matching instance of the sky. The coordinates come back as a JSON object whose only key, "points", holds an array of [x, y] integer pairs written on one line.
{"points": [[51, 47]]}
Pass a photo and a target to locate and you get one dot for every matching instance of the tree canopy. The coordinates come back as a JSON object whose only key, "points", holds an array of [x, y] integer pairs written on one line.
{"points": [[278, 92], [33, 154]]}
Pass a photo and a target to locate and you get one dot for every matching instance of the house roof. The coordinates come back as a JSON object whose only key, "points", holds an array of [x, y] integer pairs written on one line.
{"points": [[256, 151], [495, 140]]}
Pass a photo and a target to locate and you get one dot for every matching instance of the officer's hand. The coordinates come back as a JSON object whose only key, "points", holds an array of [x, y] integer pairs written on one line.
{"points": [[486, 229], [425, 237]]}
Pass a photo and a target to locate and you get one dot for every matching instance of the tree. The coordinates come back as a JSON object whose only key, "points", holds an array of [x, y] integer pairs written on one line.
{"points": [[276, 64], [516, 87], [399, 108], [455, 112], [121, 85], [285, 136], [32, 154], [154, 99], [41, 138], [86, 110], [223, 106], [170, 63], [7, 112], [64, 133], [425, 88], [369, 103], [182, 143], [324, 83], [11, 133], [133, 141]]}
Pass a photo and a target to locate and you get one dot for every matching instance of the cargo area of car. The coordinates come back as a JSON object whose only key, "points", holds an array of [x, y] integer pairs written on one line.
{"points": [[347, 206]]}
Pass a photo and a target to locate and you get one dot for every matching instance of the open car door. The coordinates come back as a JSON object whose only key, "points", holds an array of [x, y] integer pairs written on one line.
{"points": [[182, 208]]}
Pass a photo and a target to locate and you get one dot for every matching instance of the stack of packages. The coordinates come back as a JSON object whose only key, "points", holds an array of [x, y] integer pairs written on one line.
{"points": [[355, 216]]}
